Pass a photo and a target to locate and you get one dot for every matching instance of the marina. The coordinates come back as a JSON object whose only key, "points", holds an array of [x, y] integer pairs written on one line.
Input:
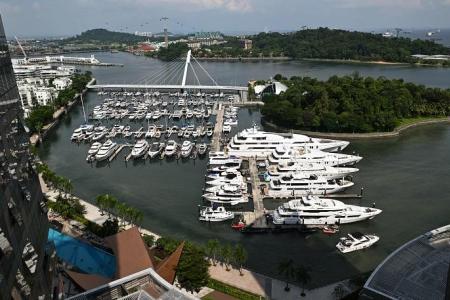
{"points": [[415, 153]]}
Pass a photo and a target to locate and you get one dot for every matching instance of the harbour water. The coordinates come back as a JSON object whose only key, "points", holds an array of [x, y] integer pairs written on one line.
{"points": [[405, 176]]}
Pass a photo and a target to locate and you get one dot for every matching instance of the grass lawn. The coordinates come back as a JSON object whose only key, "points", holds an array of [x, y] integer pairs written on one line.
{"points": [[230, 290]]}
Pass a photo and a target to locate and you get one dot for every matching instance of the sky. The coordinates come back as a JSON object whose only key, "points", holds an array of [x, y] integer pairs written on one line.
{"points": [[30, 18]]}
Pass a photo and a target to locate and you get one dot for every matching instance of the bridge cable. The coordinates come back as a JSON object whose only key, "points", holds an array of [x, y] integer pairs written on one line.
{"points": [[205, 70]]}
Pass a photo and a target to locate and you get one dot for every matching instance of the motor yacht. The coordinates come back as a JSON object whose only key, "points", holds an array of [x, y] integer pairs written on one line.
{"points": [[226, 197], [106, 150], [300, 155], [253, 142], [356, 241], [171, 148], [202, 148], [226, 128], [310, 169], [219, 158], [94, 148], [312, 210], [298, 185], [139, 148], [211, 214], [155, 149], [186, 148]]}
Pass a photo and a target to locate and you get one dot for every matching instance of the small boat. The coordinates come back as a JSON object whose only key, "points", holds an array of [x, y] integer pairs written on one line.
{"points": [[330, 229], [356, 241], [226, 129], [211, 214], [139, 148], [186, 149], [171, 148], [94, 148], [155, 149], [106, 150], [202, 149], [238, 226]]}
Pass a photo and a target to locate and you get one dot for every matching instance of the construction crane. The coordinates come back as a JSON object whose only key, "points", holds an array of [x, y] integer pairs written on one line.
{"points": [[21, 48]]}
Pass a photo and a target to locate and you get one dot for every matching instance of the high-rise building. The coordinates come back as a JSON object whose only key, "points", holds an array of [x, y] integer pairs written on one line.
{"points": [[25, 259]]}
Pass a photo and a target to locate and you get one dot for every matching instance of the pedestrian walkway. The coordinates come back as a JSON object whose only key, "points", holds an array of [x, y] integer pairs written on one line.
{"points": [[268, 287]]}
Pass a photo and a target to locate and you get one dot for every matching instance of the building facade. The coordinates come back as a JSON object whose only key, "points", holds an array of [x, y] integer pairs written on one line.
{"points": [[25, 260]]}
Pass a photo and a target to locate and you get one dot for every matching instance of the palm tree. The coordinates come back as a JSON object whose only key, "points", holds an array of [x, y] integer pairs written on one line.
{"points": [[212, 247], [286, 269], [101, 203], [303, 277], [121, 211], [227, 255], [240, 256]]}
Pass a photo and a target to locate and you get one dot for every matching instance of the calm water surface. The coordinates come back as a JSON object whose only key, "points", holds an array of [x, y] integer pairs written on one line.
{"points": [[407, 176]]}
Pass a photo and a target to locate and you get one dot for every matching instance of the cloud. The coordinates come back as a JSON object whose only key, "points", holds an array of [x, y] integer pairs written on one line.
{"points": [[9, 8], [229, 5], [400, 4]]}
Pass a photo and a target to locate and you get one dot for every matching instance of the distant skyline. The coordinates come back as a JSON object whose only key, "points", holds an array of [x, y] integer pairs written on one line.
{"points": [[28, 18]]}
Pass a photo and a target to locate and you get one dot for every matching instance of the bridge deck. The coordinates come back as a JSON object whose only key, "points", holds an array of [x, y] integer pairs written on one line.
{"points": [[168, 87]]}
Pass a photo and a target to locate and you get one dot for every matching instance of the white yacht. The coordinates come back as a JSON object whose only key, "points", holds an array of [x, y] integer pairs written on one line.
{"points": [[79, 132], [300, 155], [309, 169], [298, 185], [94, 148], [230, 173], [253, 142], [220, 159], [219, 214], [139, 148], [186, 148], [171, 148], [154, 149], [230, 187], [356, 241], [106, 150], [202, 149], [226, 128], [312, 210], [227, 195]]}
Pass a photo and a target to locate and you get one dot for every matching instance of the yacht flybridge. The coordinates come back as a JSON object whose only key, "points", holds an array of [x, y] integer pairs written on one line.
{"points": [[219, 214], [253, 142], [312, 210], [106, 150]]}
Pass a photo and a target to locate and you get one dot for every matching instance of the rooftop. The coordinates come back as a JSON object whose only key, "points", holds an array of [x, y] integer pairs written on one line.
{"points": [[417, 270]]}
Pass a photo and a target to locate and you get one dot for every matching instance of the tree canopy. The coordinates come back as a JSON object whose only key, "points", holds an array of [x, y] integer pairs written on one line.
{"points": [[105, 36], [341, 44], [172, 52], [353, 104]]}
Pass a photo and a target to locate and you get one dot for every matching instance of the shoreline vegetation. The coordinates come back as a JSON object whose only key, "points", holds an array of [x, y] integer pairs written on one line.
{"points": [[354, 105], [372, 135]]}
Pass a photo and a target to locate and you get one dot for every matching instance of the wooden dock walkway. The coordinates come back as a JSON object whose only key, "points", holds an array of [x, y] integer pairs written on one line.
{"points": [[215, 143], [110, 159], [257, 217]]}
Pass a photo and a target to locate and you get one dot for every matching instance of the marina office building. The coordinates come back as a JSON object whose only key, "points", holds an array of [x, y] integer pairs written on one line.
{"points": [[25, 259]]}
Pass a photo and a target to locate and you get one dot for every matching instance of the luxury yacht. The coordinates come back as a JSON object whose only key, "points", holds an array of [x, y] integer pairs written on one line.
{"points": [[154, 150], [298, 185], [253, 142], [284, 153], [309, 169], [139, 148], [229, 187], [94, 148], [79, 132], [312, 210], [106, 150], [186, 148], [356, 241], [219, 214], [171, 148], [226, 174], [227, 194], [220, 159]]}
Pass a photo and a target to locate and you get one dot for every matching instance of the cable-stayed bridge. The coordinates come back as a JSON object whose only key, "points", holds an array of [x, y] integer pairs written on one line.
{"points": [[178, 75]]}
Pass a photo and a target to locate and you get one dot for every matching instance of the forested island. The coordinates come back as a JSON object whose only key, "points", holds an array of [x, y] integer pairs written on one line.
{"points": [[352, 104], [325, 43], [104, 36]]}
